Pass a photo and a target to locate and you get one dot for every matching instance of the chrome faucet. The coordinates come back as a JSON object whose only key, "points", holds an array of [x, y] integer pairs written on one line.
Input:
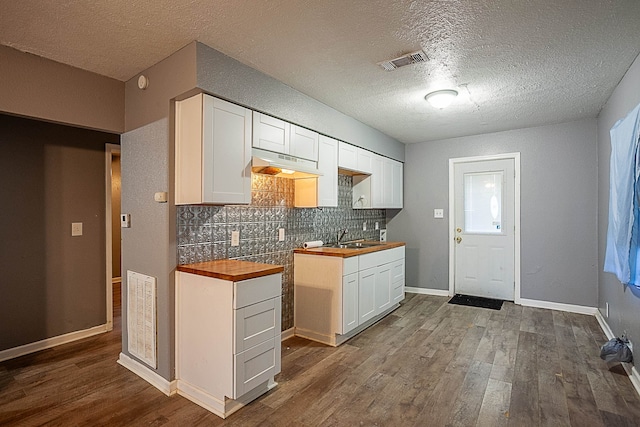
{"points": [[340, 236]]}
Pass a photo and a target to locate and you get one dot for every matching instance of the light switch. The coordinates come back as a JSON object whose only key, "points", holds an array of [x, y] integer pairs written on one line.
{"points": [[281, 235], [438, 213], [235, 238], [76, 229], [364, 226]]}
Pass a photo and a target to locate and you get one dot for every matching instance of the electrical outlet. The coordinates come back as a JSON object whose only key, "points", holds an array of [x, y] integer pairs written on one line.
{"points": [[281, 235], [377, 225], [235, 238], [438, 213], [606, 309], [364, 226]]}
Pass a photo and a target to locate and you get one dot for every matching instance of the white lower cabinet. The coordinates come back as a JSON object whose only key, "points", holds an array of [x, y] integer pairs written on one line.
{"points": [[227, 339], [335, 297]]}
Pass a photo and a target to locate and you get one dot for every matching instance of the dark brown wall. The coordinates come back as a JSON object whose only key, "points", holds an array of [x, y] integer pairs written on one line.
{"points": [[50, 283]]}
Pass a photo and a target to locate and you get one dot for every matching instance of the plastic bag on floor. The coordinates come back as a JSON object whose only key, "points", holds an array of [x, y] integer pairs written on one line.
{"points": [[616, 350]]}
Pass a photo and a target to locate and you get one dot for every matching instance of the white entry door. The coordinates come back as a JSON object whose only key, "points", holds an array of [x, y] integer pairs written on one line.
{"points": [[484, 238]]}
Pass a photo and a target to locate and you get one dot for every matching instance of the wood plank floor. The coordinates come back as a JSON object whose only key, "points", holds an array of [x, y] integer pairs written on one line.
{"points": [[427, 364]]}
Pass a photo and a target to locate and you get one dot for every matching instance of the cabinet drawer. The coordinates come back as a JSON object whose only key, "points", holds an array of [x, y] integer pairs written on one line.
{"points": [[350, 265], [257, 323], [397, 271], [375, 259], [397, 292], [255, 366], [252, 291]]}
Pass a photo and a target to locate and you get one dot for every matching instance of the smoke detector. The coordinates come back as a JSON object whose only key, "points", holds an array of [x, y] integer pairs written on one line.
{"points": [[407, 59]]}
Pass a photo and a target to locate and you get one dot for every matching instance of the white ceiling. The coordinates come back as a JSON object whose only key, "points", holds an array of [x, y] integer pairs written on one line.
{"points": [[516, 63]]}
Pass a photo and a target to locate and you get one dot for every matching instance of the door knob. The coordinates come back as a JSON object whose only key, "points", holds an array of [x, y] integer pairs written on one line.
{"points": [[458, 239]]}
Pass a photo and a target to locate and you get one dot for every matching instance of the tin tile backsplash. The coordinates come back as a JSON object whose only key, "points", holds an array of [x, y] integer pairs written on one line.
{"points": [[204, 232]]}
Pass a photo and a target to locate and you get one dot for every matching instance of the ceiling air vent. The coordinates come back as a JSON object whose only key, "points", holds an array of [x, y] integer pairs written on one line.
{"points": [[408, 59]]}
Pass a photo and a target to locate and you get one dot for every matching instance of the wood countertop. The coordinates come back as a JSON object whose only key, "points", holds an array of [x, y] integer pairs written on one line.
{"points": [[348, 252], [231, 269]]}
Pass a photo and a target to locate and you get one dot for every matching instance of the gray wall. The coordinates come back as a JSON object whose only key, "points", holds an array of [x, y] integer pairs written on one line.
{"points": [[558, 209], [624, 306], [227, 78], [51, 283], [149, 246], [32, 86]]}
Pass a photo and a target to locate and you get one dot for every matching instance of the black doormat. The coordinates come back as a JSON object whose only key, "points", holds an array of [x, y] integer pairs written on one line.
{"points": [[493, 304]]}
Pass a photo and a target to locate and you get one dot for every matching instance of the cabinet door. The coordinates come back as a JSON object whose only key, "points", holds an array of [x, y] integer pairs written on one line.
{"points": [[304, 143], [270, 133], [347, 156], [397, 281], [366, 294], [387, 182], [377, 182], [349, 303], [226, 152], [383, 288], [397, 180], [328, 165], [364, 160]]}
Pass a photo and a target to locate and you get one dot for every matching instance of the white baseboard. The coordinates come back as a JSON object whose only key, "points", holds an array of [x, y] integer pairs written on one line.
{"points": [[167, 387], [426, 291], [287, 334], [571, 308], [51, 342], [632, 372]]}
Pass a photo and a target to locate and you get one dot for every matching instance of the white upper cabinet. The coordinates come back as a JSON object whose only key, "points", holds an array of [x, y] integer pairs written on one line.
{"points": [[213, 152], [386, 183], [304, 143], [365, 158], [283, 137], [377, 181], [347, 156], [323, 190], [270, 133], [328, 165]]}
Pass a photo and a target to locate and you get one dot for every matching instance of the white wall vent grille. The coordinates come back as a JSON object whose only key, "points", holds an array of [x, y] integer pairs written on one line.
{"points": [[141, 317]]}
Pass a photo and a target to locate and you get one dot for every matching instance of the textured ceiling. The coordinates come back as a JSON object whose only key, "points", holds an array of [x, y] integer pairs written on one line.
{"points": [[516, 63]]}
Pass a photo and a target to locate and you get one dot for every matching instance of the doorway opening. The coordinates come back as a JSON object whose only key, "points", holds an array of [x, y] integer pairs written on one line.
{"points": [[113, 186], [484, 226]]}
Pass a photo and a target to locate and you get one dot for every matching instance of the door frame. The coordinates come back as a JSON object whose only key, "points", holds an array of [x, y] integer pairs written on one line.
{"points": [[110, 150], [516, 234]]}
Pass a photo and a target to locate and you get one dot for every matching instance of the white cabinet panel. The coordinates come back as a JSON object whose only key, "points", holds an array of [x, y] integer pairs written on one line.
{"points": [[377, 182], [255, 324], [270, 133], [383, 288], [304, 143], [397, 281], [213, 151], [397, 178], [347, 156], [254, 366], [349, 302], [328, 165], [366, 294], [365, 158]]}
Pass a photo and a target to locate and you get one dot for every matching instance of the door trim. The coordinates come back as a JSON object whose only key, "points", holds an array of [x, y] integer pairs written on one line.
{"points": [[110, 150], [516, 265]]}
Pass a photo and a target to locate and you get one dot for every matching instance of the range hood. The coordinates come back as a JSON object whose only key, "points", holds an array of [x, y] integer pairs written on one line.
{"points": [[283, 165]]}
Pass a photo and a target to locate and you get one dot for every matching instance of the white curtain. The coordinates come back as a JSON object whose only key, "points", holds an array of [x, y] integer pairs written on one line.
{"points": [[624, 217]]}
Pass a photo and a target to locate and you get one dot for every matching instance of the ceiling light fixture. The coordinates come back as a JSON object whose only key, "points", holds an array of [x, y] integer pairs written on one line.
{"points": [[441, 98]]}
